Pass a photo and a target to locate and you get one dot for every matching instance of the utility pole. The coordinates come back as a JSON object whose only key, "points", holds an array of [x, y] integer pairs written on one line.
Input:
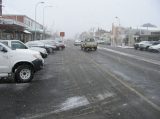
{"points": [[35, 35], [0, 8]]}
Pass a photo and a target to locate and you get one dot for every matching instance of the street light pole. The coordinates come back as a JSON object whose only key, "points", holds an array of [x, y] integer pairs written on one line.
{"points": [[0, 7], [35, 37], [118, 20], [118, 30], [43, 19]]}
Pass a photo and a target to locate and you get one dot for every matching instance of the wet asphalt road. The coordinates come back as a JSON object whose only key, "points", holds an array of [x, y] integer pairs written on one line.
{"points": [[86, 85]]}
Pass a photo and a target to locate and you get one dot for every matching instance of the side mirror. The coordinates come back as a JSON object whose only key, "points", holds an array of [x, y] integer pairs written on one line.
{"points": [[2, 49]]}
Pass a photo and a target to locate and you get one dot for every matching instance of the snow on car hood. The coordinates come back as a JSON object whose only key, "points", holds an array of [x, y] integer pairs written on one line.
{"points": [[155, 46], [38, 49], [51, 46], [27, 51]]}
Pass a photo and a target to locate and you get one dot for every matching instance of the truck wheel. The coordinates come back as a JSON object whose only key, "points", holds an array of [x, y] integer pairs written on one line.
{"points": [[95, 48], [24, 74], [135, 48], [81, 48], [147, 48]]}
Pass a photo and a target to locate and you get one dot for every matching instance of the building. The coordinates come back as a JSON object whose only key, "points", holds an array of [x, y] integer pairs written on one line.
{"points": [[19, 27], [128, 35]]}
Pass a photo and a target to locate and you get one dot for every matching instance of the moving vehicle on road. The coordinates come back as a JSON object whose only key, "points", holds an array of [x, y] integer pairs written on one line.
{"points": [[19, 64], [89, 44], [77, 42], [17, 44]]}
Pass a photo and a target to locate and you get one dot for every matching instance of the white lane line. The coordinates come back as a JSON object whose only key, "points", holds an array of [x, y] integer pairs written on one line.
{"points": [[132, 56]]}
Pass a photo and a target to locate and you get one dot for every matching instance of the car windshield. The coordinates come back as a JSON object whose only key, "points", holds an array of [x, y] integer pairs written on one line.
{"points": [[17, 45], [87, 59], [90, 40]]}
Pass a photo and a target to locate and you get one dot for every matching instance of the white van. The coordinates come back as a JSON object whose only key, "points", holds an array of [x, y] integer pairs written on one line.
{"points": [[20, 63]]}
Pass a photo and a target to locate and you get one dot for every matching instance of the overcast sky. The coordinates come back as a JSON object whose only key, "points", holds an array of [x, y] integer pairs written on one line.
{"points": [[75, 16]]}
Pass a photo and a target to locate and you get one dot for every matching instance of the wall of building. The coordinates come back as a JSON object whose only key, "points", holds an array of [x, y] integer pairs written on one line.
{"points": [[16, 18]]}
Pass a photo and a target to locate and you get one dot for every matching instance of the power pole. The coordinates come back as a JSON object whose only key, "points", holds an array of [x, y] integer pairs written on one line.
{"points": [[0, 7]]}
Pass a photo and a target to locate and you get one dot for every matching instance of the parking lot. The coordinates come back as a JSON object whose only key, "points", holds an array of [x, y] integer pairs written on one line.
{"points": [[75, 84]]}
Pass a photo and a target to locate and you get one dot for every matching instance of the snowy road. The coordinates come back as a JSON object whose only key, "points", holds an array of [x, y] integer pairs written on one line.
{"points": [[86, 85]]}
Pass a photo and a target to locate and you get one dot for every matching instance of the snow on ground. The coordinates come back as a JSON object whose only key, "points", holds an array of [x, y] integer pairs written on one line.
{"points": [[105, 95], [125, 46], [72, 103]]}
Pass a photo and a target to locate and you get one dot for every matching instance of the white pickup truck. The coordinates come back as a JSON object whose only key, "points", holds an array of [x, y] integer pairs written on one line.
{"points": [[21, 64], [89, 44]]}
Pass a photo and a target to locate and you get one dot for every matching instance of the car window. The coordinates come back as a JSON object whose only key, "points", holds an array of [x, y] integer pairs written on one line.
{"points": [[4, 42], [17, 45], [90, 40], [1, 48]]}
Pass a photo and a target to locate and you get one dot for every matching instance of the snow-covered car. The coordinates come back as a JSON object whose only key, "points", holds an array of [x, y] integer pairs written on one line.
{"points": [[144, 45], [59, 43], [77, 42], [42, 51], [50, 43], [40, 44], [20, 64], [16, 44], [100, 41], [154, 48]]}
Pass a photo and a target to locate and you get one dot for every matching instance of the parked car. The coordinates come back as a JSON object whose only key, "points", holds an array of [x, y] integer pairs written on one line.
{"points": [[89, 44], [50, 43], [144, 45], [77, 42], [16, 44], [42, 51], [139, 45], [20, 63], [60, 43], [154, 48], [40, 44], [136, 46], [100, 41]]}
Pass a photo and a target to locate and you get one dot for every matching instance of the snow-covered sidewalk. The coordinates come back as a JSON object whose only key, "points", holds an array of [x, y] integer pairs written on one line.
{"points": [[125, 46]]}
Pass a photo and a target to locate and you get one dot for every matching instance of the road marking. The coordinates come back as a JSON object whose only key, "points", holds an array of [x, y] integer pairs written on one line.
{"points": [[132, 56], [128, 86]]}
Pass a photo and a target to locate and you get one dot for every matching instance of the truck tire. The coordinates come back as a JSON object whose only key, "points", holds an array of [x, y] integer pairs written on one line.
{"points": [[81, 48], [24, 74], [95, 48], [147, 48]]}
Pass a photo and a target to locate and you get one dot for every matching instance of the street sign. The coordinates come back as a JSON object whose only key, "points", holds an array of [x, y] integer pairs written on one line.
{"points": [[62, 34]]}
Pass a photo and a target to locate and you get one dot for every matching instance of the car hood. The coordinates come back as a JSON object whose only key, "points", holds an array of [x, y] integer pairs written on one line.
{"points": [[27, 51], [38, 49], [155, 47], [50, 46]]}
